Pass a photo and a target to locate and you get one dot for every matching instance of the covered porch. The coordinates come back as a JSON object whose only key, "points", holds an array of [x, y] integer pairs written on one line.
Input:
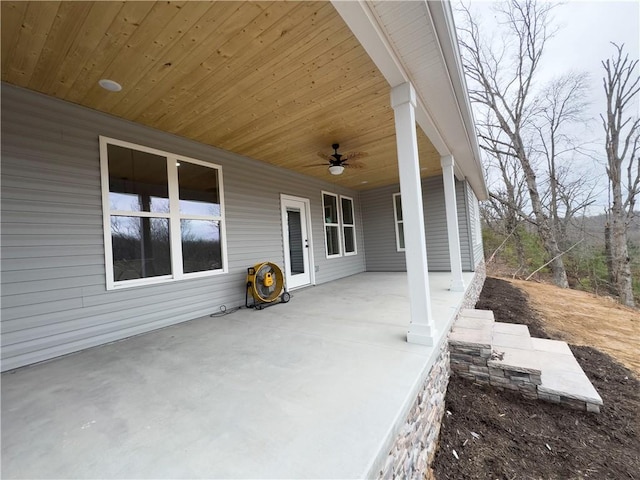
{"points": [[316, 388]]}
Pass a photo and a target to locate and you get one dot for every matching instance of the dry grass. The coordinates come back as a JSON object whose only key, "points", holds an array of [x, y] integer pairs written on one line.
{"points": [[582, 318]]}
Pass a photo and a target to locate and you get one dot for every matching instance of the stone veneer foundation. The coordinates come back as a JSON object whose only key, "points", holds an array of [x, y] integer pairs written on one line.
{"points": [[415, 444]]}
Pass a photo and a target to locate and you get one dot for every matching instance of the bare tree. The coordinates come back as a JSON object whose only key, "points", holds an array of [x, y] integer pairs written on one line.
{"points": [[568, 191], [503, 82], [621, 85]]}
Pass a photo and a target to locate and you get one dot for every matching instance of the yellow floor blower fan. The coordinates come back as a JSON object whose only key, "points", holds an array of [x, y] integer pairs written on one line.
{"points": [[265, 284]]}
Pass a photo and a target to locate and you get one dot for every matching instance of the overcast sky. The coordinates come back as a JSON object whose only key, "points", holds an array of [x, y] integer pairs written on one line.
{"points": [[586, 29]]}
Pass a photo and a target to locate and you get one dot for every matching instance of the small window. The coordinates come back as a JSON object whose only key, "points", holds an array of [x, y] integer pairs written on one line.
{"points": [[348, 226], [163, 215], [397, 214], [331, 224]]}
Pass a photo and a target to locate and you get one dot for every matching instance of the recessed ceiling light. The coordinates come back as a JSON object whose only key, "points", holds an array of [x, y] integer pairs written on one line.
{"points": [[110, 85], [177, 164], [364, 181]]}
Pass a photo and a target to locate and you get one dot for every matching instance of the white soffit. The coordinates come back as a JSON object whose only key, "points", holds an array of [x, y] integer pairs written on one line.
{"points": [[406, 45]]}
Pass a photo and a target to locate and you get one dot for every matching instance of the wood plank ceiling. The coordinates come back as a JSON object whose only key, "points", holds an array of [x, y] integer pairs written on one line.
{"points": [[275, 81]]}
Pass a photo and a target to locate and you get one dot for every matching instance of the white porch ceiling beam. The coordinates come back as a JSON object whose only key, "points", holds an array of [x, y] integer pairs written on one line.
{"points": [[364, 25]]}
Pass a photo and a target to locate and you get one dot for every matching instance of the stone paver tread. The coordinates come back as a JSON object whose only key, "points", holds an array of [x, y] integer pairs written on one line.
{"points": [[511, 341], [511, 329], [471, 337], [473, 322], [553, 346], [473, 313], [516, 359]]}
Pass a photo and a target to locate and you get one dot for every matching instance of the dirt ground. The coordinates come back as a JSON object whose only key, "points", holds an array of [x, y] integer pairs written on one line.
{"points": [[499, 435]]}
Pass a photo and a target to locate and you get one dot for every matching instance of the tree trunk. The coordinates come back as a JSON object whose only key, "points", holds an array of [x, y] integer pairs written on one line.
{"points": [[544, 228], [608, 252], [620, 254]]}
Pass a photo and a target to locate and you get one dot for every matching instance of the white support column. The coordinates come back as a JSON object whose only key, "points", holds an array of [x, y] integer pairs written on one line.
{"points": [[421, 328], [457, 282]]}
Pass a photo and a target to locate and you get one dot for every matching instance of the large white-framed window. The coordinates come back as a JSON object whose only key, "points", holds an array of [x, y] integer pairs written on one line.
{"points": [[331, 219], [399, 222], [348, 226], [163, 215]]}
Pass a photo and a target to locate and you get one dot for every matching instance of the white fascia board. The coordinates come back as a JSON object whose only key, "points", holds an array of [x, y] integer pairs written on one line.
{"points": [[443, 23], [364, 25]]}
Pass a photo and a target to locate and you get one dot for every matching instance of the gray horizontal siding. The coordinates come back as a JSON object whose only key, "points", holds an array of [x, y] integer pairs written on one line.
{"points": [[54, 299], [380, 240], [474, 222]]}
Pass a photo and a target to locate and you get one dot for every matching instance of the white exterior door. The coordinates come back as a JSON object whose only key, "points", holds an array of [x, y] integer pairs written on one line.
{"points": [[297, 241]]}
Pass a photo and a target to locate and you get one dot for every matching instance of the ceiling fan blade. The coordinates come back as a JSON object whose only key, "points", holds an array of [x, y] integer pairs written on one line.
{"points": [[318, 165], [354, 155], [326, 157], [354, 164]]}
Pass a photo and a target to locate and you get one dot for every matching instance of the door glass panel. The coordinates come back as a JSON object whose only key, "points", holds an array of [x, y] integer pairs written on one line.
{"points": [[137, 181], [333, 241], [296, 242], [201, 249], [401, 234], [140, 247], [199, 191]]}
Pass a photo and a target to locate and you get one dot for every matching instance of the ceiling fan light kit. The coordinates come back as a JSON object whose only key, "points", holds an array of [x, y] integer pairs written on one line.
{"points": [[336, 169]]}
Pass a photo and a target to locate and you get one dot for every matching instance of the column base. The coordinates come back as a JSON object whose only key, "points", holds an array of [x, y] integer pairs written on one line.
{"points": [[457, 285], [421, 335]]}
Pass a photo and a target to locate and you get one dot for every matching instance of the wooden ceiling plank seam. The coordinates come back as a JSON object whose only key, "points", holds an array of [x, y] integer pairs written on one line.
{"points": [[291, 95], [158, 86], [101, 15], [132, 85], [231, 73], [67, 24], [289, 157], [326, 131], [192, 42], [241, 29], [12, 18], [226, 105], [151, 21], [148, 40], [238, 80], [345, 90], [163, 61], [34, 30], [124, 24]]}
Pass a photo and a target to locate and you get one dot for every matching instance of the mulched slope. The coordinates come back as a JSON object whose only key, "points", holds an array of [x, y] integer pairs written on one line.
{"points": [[521, 439]]}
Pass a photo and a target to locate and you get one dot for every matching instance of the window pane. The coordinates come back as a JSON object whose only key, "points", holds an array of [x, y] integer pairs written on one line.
{"points": [[140, 247], [401, 234], [201, 249], [330, 209], [349, 240], [199, 193], [347, 211], [333, 241], [137, 181], [398, 203]]}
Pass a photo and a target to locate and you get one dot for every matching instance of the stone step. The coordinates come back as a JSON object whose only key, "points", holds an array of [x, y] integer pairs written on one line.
{"points": [[563, 380], [505, 355], [511, 335]]}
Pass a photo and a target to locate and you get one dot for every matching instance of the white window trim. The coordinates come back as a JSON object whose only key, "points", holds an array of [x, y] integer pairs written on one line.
{"points": [[325, 225], [350, 225], [397, 222], [174, 217]]}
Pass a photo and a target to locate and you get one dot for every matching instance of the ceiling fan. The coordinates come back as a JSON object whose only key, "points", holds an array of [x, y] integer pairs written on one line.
{"points": [[338, 161]]}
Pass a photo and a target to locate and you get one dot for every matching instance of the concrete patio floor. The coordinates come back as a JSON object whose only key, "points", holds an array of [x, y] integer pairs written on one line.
{"points": [[310, 389]]}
